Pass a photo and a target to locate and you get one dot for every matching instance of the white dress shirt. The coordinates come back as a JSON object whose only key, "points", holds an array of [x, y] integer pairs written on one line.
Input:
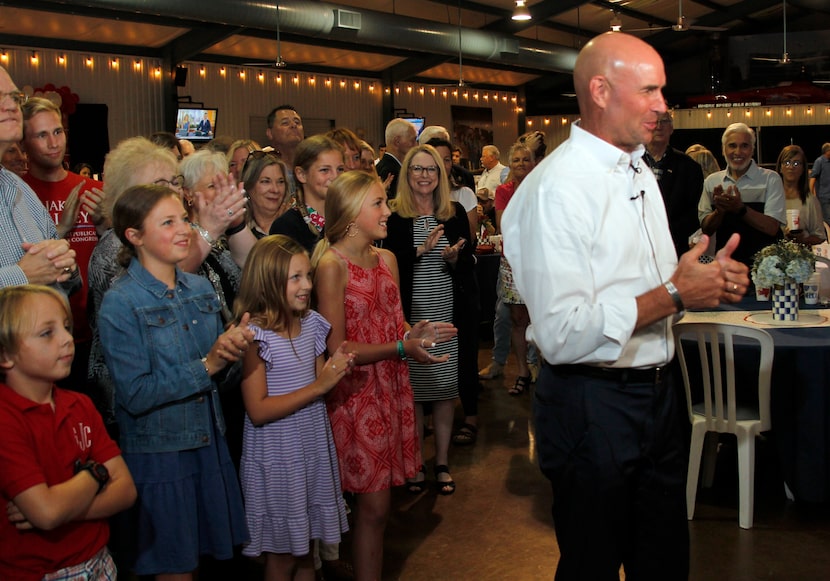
{"points": [[586, 233]]}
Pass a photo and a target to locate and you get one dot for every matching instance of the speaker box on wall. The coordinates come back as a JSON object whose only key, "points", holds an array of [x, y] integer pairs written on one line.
{"points": [[180, 78]]}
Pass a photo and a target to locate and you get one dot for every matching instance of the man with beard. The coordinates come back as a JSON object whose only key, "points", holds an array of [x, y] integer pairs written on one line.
{"points": [[743, 198]]}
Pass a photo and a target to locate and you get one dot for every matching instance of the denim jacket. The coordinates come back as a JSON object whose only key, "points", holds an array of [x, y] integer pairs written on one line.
{"points": [[153, 340]]}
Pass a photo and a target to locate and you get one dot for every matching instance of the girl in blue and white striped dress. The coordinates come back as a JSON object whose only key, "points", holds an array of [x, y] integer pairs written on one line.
{"points": [[289, 471]]}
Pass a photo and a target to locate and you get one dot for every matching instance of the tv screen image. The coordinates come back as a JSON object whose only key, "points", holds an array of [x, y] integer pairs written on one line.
{"points": [[418, 122], [196, 123]]}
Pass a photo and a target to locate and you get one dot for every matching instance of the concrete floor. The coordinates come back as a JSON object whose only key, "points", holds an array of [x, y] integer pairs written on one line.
{"points": [[497, 526]]}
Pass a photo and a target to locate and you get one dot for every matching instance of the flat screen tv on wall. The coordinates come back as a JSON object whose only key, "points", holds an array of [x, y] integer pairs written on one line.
{"points": [[196, 123], [418, 122]]}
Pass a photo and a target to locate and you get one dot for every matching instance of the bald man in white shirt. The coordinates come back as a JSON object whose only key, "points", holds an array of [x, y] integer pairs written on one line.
{"points": [[588, 240]]}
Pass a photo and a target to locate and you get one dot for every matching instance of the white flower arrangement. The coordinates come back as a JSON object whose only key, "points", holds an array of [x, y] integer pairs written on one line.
{"points": [[784, 261]]}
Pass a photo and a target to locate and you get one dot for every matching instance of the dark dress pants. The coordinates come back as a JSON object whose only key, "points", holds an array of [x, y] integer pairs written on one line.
{"points": [[615, 455]]}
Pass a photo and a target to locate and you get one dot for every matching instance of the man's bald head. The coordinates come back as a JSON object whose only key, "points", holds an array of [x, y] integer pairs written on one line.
{"points": [[618, 80]]}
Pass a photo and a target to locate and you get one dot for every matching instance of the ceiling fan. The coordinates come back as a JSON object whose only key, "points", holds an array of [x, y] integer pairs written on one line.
{"points": [[278, 62], [681, 25], [461, 82], [785, 56]]}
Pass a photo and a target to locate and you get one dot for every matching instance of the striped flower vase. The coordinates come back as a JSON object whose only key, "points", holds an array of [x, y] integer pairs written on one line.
{"points": [[785, 302]]}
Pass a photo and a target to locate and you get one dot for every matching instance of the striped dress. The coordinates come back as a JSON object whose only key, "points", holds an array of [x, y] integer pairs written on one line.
{"points": [[289, 472], [432, 298]]}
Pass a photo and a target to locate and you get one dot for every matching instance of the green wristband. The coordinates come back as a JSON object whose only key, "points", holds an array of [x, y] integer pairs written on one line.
{"points": [[401, 352]]}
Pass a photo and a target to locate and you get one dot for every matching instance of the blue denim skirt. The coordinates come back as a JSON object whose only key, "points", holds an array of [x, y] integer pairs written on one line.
{"points": [[189, 504]]}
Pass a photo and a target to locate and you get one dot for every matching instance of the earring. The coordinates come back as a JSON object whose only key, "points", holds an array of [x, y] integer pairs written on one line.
{"points": [[349, 232]]}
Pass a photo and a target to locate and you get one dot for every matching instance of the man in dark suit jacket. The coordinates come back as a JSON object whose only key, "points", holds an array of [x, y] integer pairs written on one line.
{"points": [[400, 138], [681, 182]]}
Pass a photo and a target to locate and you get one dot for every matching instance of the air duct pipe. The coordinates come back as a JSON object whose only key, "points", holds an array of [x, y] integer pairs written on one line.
{"points": [[376, 29]]}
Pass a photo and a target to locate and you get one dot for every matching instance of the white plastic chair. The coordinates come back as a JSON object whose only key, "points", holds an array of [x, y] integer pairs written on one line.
{"points": [[719, 411]]}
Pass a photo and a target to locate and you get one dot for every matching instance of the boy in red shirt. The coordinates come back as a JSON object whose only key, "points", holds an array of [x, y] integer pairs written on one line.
{"points": [[61, 475]]}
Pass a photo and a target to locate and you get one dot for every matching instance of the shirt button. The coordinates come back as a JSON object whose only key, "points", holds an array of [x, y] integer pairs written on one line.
{"points": [[200, 400], [205, 439], [195, 322]]}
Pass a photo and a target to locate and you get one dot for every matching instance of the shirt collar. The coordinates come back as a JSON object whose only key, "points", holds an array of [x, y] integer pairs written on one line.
{"points": [[751, 172], [25, 405], [610, 157], [153, 285]]}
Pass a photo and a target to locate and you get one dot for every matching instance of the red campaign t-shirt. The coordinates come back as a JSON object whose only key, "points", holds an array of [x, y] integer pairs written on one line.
{"points": [[41, 445], [82, 239]]}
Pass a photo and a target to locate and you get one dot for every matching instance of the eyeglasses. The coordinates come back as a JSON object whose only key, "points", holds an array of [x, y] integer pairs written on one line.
{"points": [[256, 154], [664, 122], [19, 97], [175, 182], [792, 163], [429, 170]]}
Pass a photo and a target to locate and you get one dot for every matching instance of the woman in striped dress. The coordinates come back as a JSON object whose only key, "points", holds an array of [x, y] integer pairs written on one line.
{"points": [[429, 235]]}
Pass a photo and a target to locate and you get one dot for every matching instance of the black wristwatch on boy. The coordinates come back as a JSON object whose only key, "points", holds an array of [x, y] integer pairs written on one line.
{"points": [[98, 471]]}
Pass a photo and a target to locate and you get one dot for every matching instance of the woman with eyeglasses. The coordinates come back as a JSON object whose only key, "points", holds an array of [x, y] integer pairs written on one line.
{"points": [[792, 168], [265, 178], [429, 235], [521, 161]]}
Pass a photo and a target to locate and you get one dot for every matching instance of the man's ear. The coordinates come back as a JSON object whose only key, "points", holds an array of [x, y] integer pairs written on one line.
{"points": [[600, 91], [134, 236], [268, 134]]}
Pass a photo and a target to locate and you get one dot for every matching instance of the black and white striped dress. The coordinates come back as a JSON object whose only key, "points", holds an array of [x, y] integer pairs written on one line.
{"points": [[432, 298]]}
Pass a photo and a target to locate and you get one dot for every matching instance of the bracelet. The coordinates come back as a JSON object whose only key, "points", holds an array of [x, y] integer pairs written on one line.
{"points": [[675, 297], [401, 352], [204, 234], [235, 229], [406, 336]]}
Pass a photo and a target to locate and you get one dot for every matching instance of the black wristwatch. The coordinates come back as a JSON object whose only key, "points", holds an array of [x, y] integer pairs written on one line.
{"points": [[99, 472]]}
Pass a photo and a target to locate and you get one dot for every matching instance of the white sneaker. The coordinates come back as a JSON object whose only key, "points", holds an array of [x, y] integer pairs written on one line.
{"points": [[492, 371]]}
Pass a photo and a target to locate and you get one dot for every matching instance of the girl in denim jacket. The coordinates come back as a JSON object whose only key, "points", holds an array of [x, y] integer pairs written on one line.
{"points": [[164, 344]]}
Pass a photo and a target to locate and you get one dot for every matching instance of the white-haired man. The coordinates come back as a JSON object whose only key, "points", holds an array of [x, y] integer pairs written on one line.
{"points": [[743, 198], [400, 138]]}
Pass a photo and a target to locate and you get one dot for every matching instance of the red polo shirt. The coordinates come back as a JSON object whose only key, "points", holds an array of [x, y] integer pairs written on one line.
{"points": [[41, 445]]}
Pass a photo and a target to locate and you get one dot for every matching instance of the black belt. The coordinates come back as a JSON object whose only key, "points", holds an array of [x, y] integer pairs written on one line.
{"points": [[652, 375]]}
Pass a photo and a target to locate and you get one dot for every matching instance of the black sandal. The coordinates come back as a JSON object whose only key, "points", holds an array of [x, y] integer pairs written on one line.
{"points": [[466, 435], [418, 486], [521, 386], [447, 487]]}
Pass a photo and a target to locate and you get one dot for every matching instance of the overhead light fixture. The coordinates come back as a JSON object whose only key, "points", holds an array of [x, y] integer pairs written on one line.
{"points": [[521, 12], [616, 23]]}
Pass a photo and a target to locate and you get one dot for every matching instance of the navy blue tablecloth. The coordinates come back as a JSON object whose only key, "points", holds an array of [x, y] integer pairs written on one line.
{"points": [[800, 403]]}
